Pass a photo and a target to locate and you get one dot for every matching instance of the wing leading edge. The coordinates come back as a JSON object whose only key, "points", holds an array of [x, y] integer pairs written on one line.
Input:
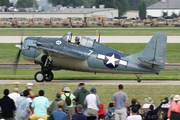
{"points": [[66, 52]]}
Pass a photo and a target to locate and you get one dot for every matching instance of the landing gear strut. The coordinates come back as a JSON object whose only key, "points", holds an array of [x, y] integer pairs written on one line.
{"points": [[138, 77], [45, 74]]}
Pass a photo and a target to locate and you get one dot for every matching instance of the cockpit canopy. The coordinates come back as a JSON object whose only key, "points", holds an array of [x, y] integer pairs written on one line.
{"points": [[85, 41], [67, 37]]}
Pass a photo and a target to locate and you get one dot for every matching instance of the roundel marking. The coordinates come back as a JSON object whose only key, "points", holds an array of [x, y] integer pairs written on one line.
{"points": [[111, 60], [58, 42]]}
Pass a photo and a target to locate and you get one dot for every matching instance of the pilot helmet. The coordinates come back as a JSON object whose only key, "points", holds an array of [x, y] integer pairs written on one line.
{"points": [[77, 38]]}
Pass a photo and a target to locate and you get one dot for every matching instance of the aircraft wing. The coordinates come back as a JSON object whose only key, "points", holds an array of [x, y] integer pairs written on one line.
{"points": [[66, 52]]}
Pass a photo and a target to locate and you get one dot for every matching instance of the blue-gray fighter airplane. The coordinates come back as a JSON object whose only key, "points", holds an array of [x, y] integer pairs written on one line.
{"points": [[89, 55]]}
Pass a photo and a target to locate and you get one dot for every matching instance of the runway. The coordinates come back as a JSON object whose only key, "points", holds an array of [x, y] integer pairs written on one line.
{"points": [[103, 39], [97, 82], [169, 66]]}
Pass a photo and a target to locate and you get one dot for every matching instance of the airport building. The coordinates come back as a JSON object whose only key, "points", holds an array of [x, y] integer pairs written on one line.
{"points": [[132, 14], [64, 13], [169, 6]]}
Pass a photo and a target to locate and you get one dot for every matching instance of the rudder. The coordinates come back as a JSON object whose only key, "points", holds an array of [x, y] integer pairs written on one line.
{"points": [[155, 51]]}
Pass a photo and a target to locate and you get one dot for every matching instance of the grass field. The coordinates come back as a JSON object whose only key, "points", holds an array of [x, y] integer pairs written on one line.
{"points": [[8, 51], [28, 74], [90, 32], [105, 92]]}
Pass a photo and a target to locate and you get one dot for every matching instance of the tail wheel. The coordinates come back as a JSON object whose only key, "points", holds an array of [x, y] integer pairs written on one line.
{"points": [[49, 77], [39, 76]]}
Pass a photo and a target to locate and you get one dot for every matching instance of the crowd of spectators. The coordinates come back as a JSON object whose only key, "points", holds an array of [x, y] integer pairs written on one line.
{"points": [[82, 104]]}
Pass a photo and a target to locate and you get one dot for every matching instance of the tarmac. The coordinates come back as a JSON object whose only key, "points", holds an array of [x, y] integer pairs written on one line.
{"points": [[103, 39], [97, 82], [169, 66]]}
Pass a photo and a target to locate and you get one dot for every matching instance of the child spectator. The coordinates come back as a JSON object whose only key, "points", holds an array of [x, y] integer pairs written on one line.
{"points": [[110, 113]]}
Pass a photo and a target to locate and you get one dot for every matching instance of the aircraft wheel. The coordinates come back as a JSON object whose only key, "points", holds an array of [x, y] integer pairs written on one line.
{"points": [[39, 76], [138, 80], [49, 77]]}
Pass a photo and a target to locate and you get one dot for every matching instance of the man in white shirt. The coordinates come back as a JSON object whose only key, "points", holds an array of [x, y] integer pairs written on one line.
{"points": [[134, 115], [92, 102], [15, 95]]}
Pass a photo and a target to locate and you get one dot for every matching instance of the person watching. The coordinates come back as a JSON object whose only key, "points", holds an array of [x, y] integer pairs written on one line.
{"points": [[79, 115]]}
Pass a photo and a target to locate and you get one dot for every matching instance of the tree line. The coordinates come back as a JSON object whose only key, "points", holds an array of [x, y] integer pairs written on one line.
{"points": [[26, 3], [4, 3]]}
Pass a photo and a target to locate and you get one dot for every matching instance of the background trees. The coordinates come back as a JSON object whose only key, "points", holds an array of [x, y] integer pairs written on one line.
{"points": [[26, 3], [4, 2], [67, 3], [121, 5], [142, 10], [134, 4]]}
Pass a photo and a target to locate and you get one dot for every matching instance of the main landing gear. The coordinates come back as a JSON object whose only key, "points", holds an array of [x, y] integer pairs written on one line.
{"points": [[138, 77], [45, 74]]}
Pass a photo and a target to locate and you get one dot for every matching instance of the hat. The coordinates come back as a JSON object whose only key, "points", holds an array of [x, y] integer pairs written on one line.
{"points": [[93, 90], [149, 100], [63, 88], [133, 100], [101, 110], [176, 98], [79, 107], [67, 89], [29, 84], [134, 110], [40, 119], [16, 89], [81, 84], [171, 98]]}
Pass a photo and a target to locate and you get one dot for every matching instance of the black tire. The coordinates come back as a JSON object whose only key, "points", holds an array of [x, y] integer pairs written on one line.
{"points": [[39, 76], [49, 77], [138, 80]]}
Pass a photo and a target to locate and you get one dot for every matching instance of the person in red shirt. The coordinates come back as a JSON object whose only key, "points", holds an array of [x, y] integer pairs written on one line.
{"points": [[174, 110]]}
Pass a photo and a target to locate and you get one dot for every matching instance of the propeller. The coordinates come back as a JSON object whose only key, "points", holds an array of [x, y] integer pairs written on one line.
{"points": [[99, 38], [18, 55]]}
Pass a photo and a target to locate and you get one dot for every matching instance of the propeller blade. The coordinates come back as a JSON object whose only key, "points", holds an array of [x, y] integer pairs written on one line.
{"points": [[19, 53], [99, 38], [17, 60], [21, 40]]}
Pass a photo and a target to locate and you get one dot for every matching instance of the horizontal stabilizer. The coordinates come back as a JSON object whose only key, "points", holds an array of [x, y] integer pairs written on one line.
{"points": [[144, 60]]}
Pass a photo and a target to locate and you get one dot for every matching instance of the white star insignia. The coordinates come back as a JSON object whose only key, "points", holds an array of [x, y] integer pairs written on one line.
{"points": [[111, 60]]}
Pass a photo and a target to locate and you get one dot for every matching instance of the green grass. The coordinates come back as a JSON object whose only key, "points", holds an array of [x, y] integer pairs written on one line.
{"points": [[28, 74], [90, 32], [105, 92], [8, 51]]}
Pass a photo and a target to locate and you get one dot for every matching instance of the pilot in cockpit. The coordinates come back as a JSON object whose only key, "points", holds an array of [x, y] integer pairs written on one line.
{"points": [[77, 40]]}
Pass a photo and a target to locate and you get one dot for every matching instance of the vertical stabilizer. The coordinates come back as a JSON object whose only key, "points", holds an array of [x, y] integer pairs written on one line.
{"points": [[155, 51]]}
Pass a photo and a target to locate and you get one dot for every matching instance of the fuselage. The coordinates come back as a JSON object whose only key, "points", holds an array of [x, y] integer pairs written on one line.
{"points": [[88, 56]]}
